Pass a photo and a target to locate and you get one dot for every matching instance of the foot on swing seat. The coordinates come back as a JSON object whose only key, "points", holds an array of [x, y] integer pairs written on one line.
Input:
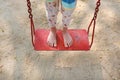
{"points": [[79, 36]]}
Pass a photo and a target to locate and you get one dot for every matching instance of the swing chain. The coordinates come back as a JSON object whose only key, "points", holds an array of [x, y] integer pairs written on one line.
{"points": [[93, 21], [29, 9], [96, 10], [31, 21]]}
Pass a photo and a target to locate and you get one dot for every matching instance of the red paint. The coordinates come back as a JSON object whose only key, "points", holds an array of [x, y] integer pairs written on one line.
{"points": [[80, 40]]}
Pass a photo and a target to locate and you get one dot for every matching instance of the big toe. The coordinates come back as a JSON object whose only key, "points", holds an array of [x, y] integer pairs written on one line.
{"points": [[54, 45]]}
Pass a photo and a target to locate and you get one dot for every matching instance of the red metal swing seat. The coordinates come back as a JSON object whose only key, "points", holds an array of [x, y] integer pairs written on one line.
{"points": [[80, 40], [79, 36]]}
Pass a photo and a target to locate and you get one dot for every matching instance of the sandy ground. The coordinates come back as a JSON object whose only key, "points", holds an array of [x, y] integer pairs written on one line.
{"points": [[18, 60]]}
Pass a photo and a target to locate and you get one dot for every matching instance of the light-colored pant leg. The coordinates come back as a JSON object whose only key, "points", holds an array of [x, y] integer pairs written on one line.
{"points": [[52, 8], [67, 7]]}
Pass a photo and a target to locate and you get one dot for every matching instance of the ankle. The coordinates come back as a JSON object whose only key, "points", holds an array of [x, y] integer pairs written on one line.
{"points": [[65, 29], [53, 29]]}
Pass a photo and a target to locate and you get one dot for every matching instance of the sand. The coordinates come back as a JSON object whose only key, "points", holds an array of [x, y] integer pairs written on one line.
{"points": [[18, 60]]}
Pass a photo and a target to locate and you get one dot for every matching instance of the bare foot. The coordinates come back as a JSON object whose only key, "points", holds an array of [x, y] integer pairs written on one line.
{"points": [[51, 40], [67, 38]]}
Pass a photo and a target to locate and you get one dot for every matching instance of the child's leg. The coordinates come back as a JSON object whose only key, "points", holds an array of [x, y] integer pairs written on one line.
{"points": [[52, 7], [68, 7]]}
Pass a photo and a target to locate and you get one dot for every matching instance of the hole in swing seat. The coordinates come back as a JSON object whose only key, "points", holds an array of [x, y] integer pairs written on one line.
{"points": [[79, 36]]}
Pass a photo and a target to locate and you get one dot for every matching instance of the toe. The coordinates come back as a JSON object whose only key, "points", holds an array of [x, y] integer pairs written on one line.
{"points": [[66, 45], [69, 43], [55, 44]]}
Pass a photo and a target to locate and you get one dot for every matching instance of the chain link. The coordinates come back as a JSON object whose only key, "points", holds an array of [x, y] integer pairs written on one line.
{"points": [[96, 9], [29, 9]]}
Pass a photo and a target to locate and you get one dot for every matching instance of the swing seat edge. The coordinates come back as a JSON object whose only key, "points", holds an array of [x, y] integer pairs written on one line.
{"points": [[79, 36]]}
